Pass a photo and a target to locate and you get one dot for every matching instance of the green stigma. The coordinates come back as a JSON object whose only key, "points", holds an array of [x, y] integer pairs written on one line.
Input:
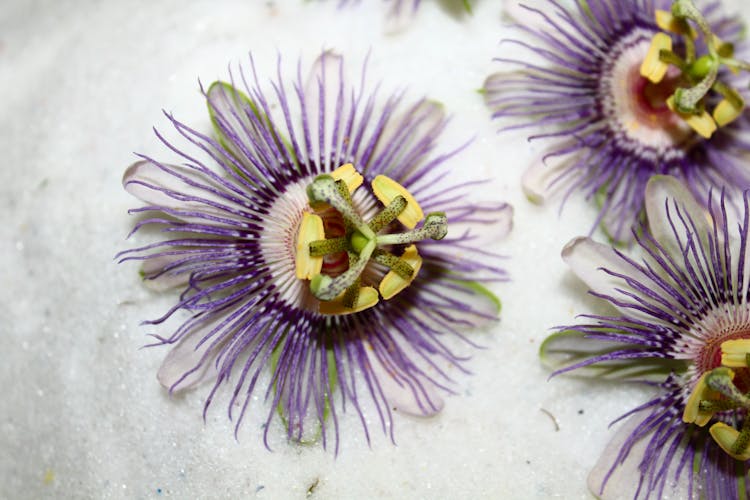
{"points": [[361, 241], [699, 72]]}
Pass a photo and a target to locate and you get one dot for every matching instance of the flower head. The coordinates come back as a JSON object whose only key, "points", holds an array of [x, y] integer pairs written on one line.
{"points": [[319, 238], [683, 324], [623, 90]]}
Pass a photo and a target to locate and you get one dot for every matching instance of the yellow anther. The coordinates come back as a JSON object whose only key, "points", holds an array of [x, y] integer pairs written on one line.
{"points": [[702, 123], [653, 67], [310, 229], [734, 353], [367, 298], [386, 189], [349, 175], [726, 437], [726, 112], [392, 283], [667, 22], [692, 413]]}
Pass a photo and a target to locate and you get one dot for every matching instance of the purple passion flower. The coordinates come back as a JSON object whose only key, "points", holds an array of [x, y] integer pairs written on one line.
{"points": [[683, 326], [622, 90], [317, 237]]}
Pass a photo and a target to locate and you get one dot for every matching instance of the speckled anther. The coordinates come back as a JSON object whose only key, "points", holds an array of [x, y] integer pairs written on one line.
{"points": [[693, 413]]}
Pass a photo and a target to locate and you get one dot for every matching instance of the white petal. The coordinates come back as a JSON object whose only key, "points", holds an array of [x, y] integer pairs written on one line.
{"points": [[587, 258], [148, 182], [493, 83], [623, 481], [479, 305], [166, 280], [326, 81], [231, 112], [514, 12], [538, 180], [418, 122], [400, 16], [564, 349], [662, 193], [184, 357], [496, 223], [403, 398], [503, 222]]}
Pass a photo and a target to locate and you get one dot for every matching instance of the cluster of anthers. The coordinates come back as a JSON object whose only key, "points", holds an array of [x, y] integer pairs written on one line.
{"points": [[701, 72], [725, 388], [334, 231]]}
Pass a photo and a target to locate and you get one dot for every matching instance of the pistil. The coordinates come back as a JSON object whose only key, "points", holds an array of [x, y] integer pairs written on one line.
{"points": [[701, 73], [717, 392], [344, 293]]}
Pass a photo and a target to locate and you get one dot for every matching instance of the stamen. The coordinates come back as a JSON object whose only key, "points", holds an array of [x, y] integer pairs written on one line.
{"points": [[693, 412], [306, 264], [730, 107], [667, 22], [733, 442], [395, 264], [394, 282], [367, 298], [702, 123], [653, 67], [735, 353], [386, 190], [349, 175]]}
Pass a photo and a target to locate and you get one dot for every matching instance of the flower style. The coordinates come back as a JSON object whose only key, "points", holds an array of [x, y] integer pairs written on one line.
{"points": [[623, 90], [683, 325], [300, 239]]}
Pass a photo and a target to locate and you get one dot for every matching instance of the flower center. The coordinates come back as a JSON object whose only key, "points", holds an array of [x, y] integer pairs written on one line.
{"points": [[700, 72], [335, 245], [645, 124], [724, 387]]}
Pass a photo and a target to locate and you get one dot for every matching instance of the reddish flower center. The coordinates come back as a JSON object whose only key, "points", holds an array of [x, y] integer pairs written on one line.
{"points": [[636, 109], [333, 224], [651, 98], [709, 357], [645, 116]]}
